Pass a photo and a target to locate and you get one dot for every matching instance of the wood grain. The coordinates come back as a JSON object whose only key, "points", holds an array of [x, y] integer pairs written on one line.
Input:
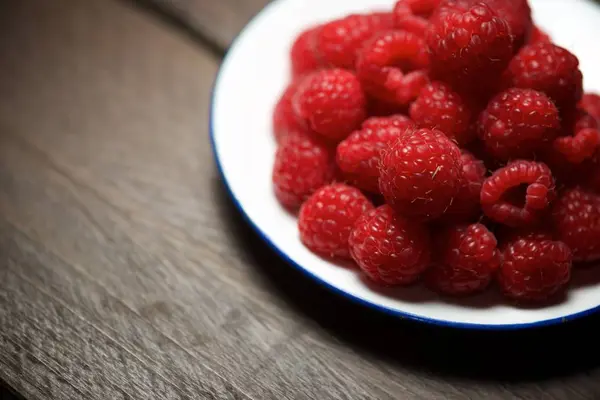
{"points": [[126, 272]]}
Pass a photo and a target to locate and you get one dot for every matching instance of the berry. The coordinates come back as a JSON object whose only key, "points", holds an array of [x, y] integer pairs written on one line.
{"points": [[576, 219], [517, 122], [466, 206], [327, 217], [331, 102], [590, 102], [580, 147], [358, 155], [469, 49], [303, 55], [412, 15], [465, 260], [421, 174], [538, 36], [378, 108], [389, 248], [302, 165], [517, 14], [547, 68], [534, 267], [505, 199], [447, 7], [441, 108], [390, 66], [284, 118], [338, 41]]}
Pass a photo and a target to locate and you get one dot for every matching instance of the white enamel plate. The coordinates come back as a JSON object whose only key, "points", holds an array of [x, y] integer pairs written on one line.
{"points": [[251, 78]]}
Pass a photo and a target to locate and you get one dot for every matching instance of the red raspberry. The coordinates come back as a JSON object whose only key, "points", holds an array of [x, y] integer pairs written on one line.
{"points": [[327, 217], [447, 7], [389, 248], [470, 49], [284, 118], [390, 66], [441, 108], [534, 267], [466, 206], [576, 218], [591, 103], [378, 108], [358, 156], [421, 174], [303, 54], [517, 14], [412, 15], [502, 196], [580, 147], [538, 36], [517, 123], [550, 69], [332, 102], [465, 260], [302, 165], [339, 40]]}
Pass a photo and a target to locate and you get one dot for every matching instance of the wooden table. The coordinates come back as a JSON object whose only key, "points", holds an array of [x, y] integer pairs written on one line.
{"points": [[127, 273]]}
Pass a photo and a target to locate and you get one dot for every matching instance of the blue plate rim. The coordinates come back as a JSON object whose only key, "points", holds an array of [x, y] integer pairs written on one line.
{"points": [[349, 296]]}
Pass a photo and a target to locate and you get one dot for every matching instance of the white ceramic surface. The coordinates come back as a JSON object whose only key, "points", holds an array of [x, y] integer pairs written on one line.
{"points": [[251, 78]]}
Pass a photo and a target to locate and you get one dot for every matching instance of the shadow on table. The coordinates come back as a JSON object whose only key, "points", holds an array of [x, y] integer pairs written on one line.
{"points": [[490, 355]]}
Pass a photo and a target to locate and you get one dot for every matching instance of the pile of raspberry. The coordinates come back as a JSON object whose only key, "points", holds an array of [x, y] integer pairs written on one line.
{"points": [[447, 142]]}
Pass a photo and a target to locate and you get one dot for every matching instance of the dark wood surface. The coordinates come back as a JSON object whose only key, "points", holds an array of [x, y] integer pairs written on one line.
{"points": [[127, 273]]}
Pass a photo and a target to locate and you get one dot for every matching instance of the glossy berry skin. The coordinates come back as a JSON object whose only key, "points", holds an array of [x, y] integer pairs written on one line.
{"points": [[439, 107], [413, 15], [469, 49], [421, 174], [517, 14], [502, 202], [466, 206], [534, 267], [303, 164], [331, 102], [327, 218], [547, 68], [339, 40], [538, 36], [591, 103], [359, 155], [466, 258], [303, 54], [388, 248], [391, 66], [284, 118], [576, 220], [517, 123]]}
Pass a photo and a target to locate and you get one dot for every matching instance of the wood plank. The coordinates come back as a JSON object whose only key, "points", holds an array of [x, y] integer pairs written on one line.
{"points": [[218, 21]]}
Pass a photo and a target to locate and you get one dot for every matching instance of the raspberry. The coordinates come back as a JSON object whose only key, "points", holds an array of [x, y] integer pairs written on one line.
{"points": [[412, 15], [517, 14], [332, 102], [338, 41], [327, 217], [538, 36], [534, 267], [421, 174], [303, 55], [548, 68], [447, 7], [390, 66], [502, 196], [358, 155], [576, 219], [439, 107], [284, 118], [590, 102], [466, 205], [302, 165], [389, 248], [378, 108], [579, 147], [518, 122], [465, 260], [469, 49]]}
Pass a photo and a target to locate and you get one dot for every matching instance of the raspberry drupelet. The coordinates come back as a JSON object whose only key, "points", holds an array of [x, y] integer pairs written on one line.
{"points": [[413, 15], [303, 53]]}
